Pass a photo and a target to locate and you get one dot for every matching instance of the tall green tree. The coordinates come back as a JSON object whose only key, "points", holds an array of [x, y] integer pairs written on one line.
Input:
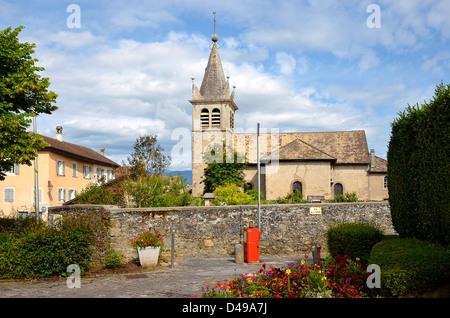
{"points": [[224, 171], [23, 95]]}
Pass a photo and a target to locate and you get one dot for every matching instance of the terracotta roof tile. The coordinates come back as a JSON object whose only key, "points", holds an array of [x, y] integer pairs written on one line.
{"points": [[300, 150], [348, 147], [77, 151]]}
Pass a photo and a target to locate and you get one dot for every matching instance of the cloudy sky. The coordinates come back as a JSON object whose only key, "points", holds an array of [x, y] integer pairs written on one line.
{"points": [[123, 68]]}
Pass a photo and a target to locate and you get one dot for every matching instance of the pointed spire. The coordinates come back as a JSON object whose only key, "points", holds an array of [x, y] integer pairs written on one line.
{"points": [[214, 85]]}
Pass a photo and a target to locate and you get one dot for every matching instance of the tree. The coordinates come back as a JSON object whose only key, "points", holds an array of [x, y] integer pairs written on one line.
{"points": [[148, 158], [23, 95], [147, 162], [222, 173]]}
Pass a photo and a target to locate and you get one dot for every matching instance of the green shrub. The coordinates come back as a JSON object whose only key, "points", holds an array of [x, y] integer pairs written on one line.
{"points": [[46, 251], [291, 198], [231, 195], [419, 165], [100, 194], [352, 239], [348, 197], [114, 260], [408, 264]]}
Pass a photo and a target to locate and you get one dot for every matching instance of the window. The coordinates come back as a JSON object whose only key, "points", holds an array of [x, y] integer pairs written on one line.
{"points": [[385, 183], [204, 118], [231, 120], [22, 214], [215, 118], [87, 171], [14, 170], [72, 194], [338, 189], [60, 168], [100, 173], [297, 185], [61, 195], [109, 175], [8, 195], [74, 169]]}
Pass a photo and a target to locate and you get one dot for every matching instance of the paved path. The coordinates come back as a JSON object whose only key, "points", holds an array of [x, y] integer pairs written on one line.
{"points": [[189, 275]]}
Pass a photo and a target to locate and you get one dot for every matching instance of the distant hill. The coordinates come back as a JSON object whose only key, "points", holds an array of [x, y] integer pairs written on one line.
{"points": [[185, 174]]}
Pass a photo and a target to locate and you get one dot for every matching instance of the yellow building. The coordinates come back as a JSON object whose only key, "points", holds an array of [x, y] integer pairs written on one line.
{"points": [[64, 169]]}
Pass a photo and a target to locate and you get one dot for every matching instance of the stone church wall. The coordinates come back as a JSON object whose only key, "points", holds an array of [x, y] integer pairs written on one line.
{"points": [[214, 230]]}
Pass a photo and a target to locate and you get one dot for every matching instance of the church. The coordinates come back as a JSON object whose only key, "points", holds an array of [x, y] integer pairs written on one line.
{"points": [[318, 164]]}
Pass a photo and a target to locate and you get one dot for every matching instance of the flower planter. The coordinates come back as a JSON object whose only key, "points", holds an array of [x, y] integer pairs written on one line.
{"points": [[148, 256]]}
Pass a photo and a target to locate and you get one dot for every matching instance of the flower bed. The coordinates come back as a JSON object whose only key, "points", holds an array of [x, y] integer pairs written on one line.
{"points": [[336, 277]]}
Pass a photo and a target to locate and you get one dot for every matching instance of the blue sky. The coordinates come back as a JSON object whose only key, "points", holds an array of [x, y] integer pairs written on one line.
{"points": [[298, 66]]}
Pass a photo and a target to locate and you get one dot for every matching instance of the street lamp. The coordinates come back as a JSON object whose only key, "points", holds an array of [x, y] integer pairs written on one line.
{"points": [[259, 181], [36, 182]]}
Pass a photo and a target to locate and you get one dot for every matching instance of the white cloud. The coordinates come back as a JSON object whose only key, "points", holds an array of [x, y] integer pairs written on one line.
{"points": [[286, 63]]}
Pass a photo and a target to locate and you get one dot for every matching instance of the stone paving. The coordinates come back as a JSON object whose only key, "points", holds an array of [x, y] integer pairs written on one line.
{"points": [[189, 275]]}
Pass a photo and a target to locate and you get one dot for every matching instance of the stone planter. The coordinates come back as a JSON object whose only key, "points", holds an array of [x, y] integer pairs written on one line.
{"points": [[148, 256]]}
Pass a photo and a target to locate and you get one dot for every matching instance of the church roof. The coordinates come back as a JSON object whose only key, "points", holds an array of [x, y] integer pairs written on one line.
{"points": [[300, 150], [348, 147], [214, 85], [345, 147], [380, 165]]}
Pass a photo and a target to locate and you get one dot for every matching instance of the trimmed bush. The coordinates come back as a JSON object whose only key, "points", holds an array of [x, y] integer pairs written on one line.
{"points": [[409, 264], [352, 239], [418, 173]]}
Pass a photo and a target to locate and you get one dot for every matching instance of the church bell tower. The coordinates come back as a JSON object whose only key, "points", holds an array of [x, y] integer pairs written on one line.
{"points": [[213, 110]]}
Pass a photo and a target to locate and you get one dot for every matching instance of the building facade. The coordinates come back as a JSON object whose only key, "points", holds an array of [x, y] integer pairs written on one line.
{"points": [[64, 170], [320, 165]]}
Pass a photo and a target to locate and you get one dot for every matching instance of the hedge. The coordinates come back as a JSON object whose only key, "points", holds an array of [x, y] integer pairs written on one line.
{"points": [[352, 239], [418, 169], [410, 264]]}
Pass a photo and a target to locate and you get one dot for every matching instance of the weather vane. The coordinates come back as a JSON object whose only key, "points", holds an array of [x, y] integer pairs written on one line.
{"points": [[214, 37]]}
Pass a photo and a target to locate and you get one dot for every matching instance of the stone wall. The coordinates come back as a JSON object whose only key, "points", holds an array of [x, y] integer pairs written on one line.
{"points": [[286, 229]]}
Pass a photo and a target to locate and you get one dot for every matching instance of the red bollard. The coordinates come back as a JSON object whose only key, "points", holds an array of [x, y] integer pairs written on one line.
{"points": [[251, 244]]}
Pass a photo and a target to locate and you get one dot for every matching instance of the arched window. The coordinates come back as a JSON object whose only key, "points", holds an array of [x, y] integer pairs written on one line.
{"points": [[215, 118], [231, 120], [204, 117], [297, 185], [338, 189]]}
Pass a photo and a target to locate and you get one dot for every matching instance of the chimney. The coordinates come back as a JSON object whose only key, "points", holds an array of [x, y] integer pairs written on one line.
{"points": [[372, 159], [59, 133], [102, 151]]}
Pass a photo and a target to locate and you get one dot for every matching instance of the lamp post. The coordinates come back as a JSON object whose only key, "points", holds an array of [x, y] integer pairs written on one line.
{"points": [[36, 180], [259, 181]]}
